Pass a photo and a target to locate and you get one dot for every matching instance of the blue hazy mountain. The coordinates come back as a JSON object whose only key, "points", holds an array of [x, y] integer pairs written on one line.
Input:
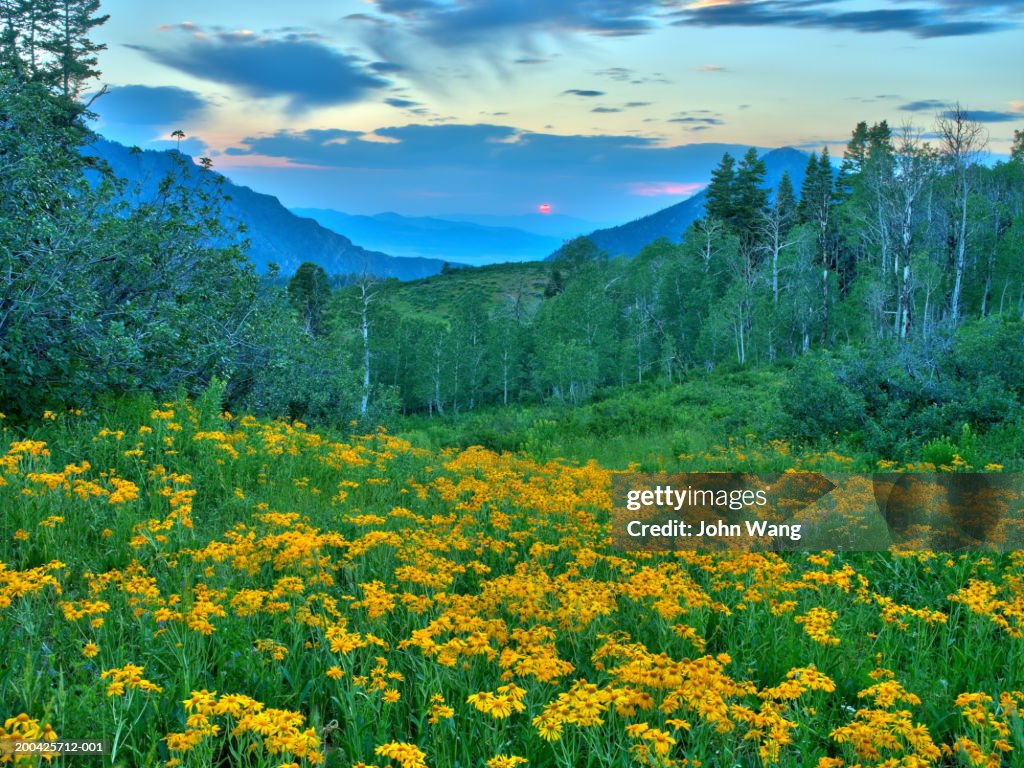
{"points": [[276, 234], [554, 225], [672, 222], [440, 238]]}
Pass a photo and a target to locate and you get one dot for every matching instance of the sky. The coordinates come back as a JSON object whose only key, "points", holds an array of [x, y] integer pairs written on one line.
{"points": [[602, 109]]}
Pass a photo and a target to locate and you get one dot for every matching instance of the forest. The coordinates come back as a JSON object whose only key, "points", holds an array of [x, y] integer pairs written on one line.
{"points": [[887, 288]]}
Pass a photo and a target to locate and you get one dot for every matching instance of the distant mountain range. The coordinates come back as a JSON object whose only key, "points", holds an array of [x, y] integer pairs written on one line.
{"points": [[556, 225], [463, 241], [672, 222], [413, 247], [276, 234]]}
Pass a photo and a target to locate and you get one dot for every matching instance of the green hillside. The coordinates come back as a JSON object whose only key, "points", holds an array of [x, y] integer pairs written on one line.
{"points": [[499, 285]]}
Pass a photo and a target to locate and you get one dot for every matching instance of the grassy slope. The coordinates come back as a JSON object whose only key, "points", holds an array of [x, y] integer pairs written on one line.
{"points": [[436, 297], [692, 425]]}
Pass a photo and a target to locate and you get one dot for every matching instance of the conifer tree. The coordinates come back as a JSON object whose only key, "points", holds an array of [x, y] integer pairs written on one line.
{"points": [[720, 191]]}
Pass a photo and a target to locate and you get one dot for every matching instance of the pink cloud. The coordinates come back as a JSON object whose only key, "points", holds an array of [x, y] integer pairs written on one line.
{"points": [[660, 188]]}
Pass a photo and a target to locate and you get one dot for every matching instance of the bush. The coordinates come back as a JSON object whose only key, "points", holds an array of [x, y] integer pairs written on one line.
{"points": [[816, 405]]}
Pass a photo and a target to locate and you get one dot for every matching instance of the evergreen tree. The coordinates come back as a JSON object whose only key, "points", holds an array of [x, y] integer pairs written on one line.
{"points": [[74, 54], [805, 206], [785, 202], [749, 197], [309, 291], [816, 202], [879, 141], [720, 191], [854, 159]]}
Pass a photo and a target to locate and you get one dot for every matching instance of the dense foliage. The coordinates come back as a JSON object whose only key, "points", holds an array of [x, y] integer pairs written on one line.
{"points": [[101, 290], [107, 288], [895, 283]]}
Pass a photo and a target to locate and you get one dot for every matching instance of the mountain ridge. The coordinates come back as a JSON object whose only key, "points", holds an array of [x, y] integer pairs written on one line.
{"points": [[436, 236], [276, 235], [671, 222]]}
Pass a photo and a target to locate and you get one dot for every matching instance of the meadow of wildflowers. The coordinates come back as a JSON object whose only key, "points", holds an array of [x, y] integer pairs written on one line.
{"points": [[198, 589]]}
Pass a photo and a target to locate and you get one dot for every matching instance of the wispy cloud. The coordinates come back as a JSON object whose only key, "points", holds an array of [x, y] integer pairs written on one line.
{"points": [[663, 188], [482, 21], [631, 76], [925, 105], [264, 66], [144, 105], [697, 120], [943, 18], [944, 109], [987, 116], [401, 103], [486, 166]]}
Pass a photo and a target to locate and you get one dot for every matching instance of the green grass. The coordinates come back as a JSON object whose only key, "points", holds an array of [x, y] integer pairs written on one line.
{"points": [[437, 297], [656, 428]]}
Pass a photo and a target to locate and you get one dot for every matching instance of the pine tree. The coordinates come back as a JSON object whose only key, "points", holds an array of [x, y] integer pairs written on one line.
{"points": [[805, 206], [309, 290], [879, 141], [785, 202], [750, 199], [720, 191], [854, 159], [73, 52], [817, 199]]}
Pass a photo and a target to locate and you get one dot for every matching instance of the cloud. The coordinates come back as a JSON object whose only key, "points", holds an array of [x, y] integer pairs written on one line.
{"points": [[582, 92], [385, 67], [471, 22], [401, 103], [711, 68], [626, 75], [606, 110], [662, 188], [984, 5], [942, 108], [143, 105], [697, 120], [816, 145], [305, 72], [366, 18], [638, 104], [482, 148], [193, 146], [471, 167], [986, 116], [951, 18], [925, 105], [1017, 105]]}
